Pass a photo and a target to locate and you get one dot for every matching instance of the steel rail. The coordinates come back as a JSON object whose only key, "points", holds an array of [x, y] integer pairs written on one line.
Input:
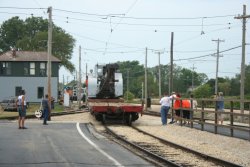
{"points": [[204, 156], [154, 156]]}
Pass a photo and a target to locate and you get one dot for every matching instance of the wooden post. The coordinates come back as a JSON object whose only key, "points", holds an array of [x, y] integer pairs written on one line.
{"points": [[172, 111], [231, 118], [191, 114], [49, 52], [171, 86], [181, 113], [216, 118], [146, 81], [202, 115]]}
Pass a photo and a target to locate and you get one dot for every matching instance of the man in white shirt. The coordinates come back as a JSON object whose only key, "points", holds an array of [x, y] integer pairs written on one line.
{"points": [[165, 105]]}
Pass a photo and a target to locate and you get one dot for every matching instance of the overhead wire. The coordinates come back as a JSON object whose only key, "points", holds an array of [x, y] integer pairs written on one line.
{"points": [[112, 29], [122, 16], [122, 52], [143, 18], [196, 57], [23, 8], [137, 24]]}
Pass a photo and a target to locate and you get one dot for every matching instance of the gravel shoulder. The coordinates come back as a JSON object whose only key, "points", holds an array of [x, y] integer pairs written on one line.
{"points": [[227, 148]]}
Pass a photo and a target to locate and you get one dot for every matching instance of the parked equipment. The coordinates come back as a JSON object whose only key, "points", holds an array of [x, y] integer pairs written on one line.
{"points": [[105, 89]]}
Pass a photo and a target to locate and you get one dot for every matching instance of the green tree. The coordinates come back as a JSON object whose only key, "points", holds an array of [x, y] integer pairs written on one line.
{"points": [[132, 73], [247, 80], [10, 32], [135, 72], [203, 91], [224, 87], [32, 35], [153, 84], [128, 96], [182, 78], [235, 86]]}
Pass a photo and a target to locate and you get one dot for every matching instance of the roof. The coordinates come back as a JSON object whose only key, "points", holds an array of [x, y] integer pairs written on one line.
{"points": [[27, 56]]}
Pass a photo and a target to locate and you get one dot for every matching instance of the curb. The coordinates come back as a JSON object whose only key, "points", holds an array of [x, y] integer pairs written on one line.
{"points": [[52, 114]]}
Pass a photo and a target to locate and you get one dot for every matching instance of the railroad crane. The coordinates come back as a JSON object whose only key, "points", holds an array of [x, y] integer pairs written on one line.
{"points": [[105, 91]]}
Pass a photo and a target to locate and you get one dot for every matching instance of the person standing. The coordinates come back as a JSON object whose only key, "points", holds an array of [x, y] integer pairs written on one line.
{"points": [[193, 102], [177, 106], [45, 104], [186, 105], [21, 108], [220, 107], [165, 105], [172, 100]]}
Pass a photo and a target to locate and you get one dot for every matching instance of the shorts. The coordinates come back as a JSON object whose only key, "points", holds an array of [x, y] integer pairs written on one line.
{"points": [[186, 114], [177, 112], [220, 116], [21, 112]]}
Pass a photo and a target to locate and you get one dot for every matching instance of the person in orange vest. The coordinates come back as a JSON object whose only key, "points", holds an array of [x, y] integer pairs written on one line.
{"points": [[183, 105], [177, 105], [186, 112]]}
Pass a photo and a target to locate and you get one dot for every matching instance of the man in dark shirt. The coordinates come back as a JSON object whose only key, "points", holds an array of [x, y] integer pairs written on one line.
{"points": [[45, 104]]}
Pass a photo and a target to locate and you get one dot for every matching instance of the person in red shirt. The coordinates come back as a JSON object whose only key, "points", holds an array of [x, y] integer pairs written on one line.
{"points": [[186, 112], [177, 105], [184, 104]]}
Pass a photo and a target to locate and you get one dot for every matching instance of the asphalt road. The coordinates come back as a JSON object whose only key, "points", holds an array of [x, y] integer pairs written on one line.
{"points": [[60, 144]]}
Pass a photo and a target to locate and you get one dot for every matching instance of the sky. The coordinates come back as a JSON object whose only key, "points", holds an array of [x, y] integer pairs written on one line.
{"points": [[120, 30]]}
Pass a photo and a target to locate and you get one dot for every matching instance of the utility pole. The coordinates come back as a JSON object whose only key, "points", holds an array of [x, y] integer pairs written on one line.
{"points": [[127, 82], [63, 88], [86, 82], [217, 64], [86, 70], [142, 89], [75, 78], [79, 81], [159, 55], [159, 71], [193, 77], [242, 79], [146, 81], [171, 64], [49, 58]]}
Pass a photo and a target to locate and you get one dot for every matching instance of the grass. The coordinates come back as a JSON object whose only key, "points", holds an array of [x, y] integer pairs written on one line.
{"points": [[30, 111]]}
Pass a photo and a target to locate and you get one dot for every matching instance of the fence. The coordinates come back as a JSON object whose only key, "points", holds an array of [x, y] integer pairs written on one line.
{"points": [[207, 114]]}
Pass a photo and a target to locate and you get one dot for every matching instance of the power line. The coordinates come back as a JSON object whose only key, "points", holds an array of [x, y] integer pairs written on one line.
{"points": [[208, 54], [121, 52], [137, 24], [121, 15], [17, 13], [126, 13], [117, 44], [193, 51], [22, 8], [143, 18]]}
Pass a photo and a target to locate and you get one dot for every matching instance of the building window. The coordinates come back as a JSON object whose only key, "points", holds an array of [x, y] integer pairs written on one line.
{"points": [[26, 68], [40, 92], [5, 68], [18, 90], [32, 69], [42, 69]]}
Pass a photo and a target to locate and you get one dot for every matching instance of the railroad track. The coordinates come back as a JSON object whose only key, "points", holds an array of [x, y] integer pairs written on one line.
{"points": [[162, 152], [153, 113]]}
